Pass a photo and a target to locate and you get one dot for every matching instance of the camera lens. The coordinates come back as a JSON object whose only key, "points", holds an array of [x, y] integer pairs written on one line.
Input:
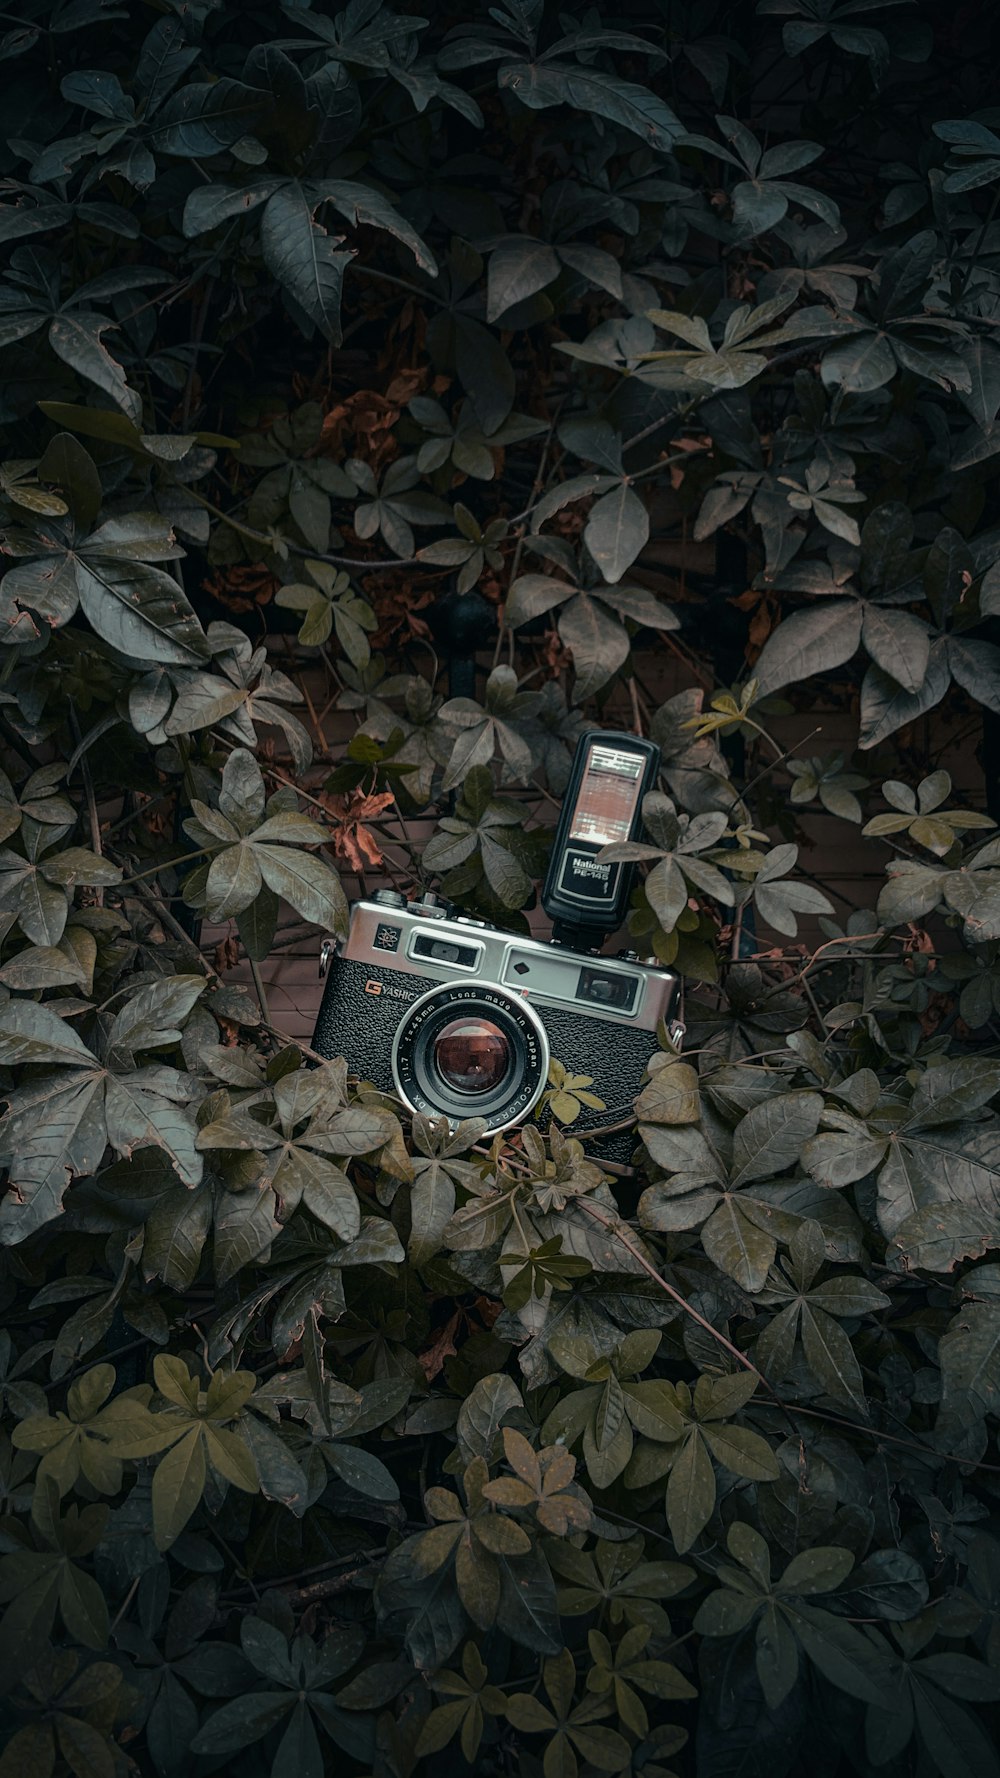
{"points": [[471, 1049], [471, 1055]]}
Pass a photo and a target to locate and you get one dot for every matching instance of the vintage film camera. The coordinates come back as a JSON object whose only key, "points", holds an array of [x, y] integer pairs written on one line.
{"points": [[459, 1018]]}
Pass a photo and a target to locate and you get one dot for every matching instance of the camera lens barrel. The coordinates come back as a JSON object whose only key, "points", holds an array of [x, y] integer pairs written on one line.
{"points": [[471, 1049]]}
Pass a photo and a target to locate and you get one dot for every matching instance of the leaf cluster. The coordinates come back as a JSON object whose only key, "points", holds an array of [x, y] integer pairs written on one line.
{"points": [[388, 400]]}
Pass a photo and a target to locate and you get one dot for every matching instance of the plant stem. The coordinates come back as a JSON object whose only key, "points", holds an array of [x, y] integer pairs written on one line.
{"points": [[166, 864], [259, 985], [174, 927], [734, 948], [88, 787], [615, 1228], [300, 549], [126, 1602]]}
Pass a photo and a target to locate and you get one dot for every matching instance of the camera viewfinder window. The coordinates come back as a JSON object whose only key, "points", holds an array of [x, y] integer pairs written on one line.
{"points": [[609, 792], [606, 988]]}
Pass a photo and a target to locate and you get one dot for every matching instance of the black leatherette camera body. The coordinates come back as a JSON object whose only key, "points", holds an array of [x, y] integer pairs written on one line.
{"points": [[396, 952]]}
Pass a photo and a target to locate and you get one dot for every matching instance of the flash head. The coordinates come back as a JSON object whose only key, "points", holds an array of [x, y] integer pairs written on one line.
{"points": [[611, 773]]}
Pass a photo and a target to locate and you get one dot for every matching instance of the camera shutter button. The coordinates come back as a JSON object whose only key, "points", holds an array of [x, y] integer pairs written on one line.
{"points": [[434, 907]]}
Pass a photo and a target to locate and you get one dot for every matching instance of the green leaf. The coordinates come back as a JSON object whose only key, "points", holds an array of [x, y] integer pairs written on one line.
{"points": [[527, 1612], [672, 1096], [30, 1033], [725, 1613], [323, 1187], [830, 1357], [976, 666], [531, 595], [478, 1580], [75, 864], [299, 1753], [820, 1570], [258, 923], [653, 1411], [617, 531], [898, 643], [640, 112], [76, 339], [362, 1471], [808, 642], [970, 1364], [52, 1129], [366, 207], [777, 1656], [41, 966], [152, 1018], [83, 1607], [205, 116], [140, 610], [234, 881], [938, 1237], [432, 1205], [245, 1226], [178, 1485], [598, 642], [209, 205], [71, 468], [529, 1714], [742, 1452], [311, 887], [483, 1413], [306, 261], [667, 892], [425, 1607], [889, 1584], [954, 1739], [735, 1243], [518, 268], [603, 1748], [887, 706], [839, 1157], [690, 1493], [242, 1721], [841, 1653], [771, 1136], [957, 1163], [861, 364]]}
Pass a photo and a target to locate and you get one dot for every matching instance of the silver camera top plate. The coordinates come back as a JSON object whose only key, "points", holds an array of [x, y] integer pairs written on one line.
{"points": [[426, 941]]}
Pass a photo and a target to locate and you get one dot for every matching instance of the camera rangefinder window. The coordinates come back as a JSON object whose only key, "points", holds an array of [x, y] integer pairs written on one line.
{"points": [[607, 988]]}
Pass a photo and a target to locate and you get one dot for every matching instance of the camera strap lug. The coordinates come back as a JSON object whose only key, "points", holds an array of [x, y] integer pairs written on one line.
{"points": [[327, 952], [675, 1032]]}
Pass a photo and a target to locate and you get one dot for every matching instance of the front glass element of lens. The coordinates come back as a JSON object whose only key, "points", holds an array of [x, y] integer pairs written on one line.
{"points": [[472, 1055]]}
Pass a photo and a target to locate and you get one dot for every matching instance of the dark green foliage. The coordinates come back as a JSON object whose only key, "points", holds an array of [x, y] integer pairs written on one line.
{"points": [[337, 1441]]}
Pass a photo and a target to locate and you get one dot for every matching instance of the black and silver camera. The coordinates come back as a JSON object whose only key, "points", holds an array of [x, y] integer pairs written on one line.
{"points": [[459, 1018]]}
